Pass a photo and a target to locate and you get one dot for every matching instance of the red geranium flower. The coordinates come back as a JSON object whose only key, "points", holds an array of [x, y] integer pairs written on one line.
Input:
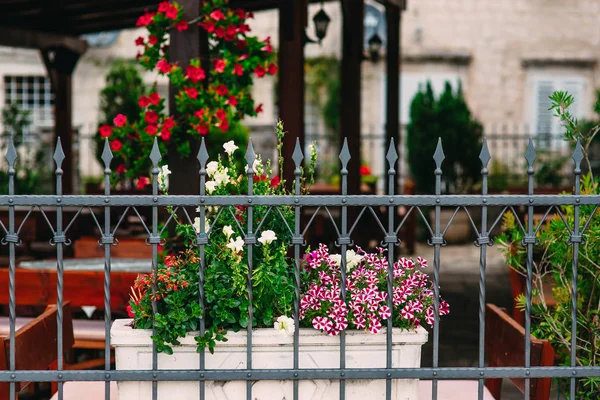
{"points": [[221, 114], [231, 30], [232, 100], [241, 14], [259, 109], [220, 31], [143, 102], [243, 28], [151, 117], [144, 20], [272, 69], [219, 66], [154, 98], [142, 182], [365, 170], [139, 41], [169, 123], [241, 44], [182, 26], [202, 129], [275, 181], [105, 131], [116, 145], [151, 129], [172, 12], [222, 90], [195, 74], [238, 70], [164, 6], [209, 26], [163, 66], [120, 120], [152, 39], [199, 113], [260, 71], [165, 134], [121, 169], [191, 92], [217, 15], [224, 125]]}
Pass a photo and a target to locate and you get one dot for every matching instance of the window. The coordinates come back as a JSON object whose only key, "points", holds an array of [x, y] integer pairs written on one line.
{"points": [[32, 93], [545, 123]]}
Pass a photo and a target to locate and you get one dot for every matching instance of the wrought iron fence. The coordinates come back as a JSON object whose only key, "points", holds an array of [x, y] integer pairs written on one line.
{"points": [[364, 205]]}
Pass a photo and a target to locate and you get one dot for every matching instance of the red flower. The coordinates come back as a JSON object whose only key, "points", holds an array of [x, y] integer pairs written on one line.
{"points": [[120, 120], [241, 14], [243, 28], [199, 113], [222, 90], [202, 129], [130, 313], [163, 66], [169, 123], [191, 92], [144, 20], [172, 12], [182, 26], [152, 39], [217, 15], [275, 181], [151, 117], [139, 41], [259, 178], [209, 26], [142, 182], [151, 129], [164, 6], [121, 169], [143, 102], [224, 126], [221, 114], [241, 44], [165, 134], [272, 69], [195, 74], [260, 71], [116, 145], [233, 101], [365, 170], [231, 30], [238, 70], [259, 109], [220, 31], [105, 131], [154, 98], [250, 15], [219, 66]]}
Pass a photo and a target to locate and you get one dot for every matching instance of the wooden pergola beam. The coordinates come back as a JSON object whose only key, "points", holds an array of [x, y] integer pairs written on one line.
{"points": [[28, 39]]}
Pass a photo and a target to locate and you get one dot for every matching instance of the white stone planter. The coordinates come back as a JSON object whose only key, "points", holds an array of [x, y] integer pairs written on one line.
{"points": [[133, 351]]}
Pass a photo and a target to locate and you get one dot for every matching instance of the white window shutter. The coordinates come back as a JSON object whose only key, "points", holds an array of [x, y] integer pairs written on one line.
{"points": [[544, 124]]}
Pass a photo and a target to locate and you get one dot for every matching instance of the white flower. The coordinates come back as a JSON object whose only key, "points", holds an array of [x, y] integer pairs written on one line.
{"points": [[236, 245], [210, 186], [230, 147], [256, 166], [197, 224], [163, 177], [211, 168], [267, 237], [352, 259], [285, 325], [222, 176], [227, 230]]}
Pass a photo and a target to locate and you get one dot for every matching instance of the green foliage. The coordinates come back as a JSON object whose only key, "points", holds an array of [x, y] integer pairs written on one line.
{"points": [[450, 119], [553, 257], [323, 88]]}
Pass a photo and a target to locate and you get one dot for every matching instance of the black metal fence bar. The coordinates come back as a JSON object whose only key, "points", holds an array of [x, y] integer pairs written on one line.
{"points": [[347, 205]]}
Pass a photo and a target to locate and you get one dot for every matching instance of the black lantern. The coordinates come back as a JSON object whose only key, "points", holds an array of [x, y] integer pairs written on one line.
{"points": [[375, 44], [321, 20]]}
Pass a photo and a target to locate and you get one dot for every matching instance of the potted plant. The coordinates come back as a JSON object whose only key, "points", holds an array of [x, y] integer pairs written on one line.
{"points": [[553, 254], [323, 313]]}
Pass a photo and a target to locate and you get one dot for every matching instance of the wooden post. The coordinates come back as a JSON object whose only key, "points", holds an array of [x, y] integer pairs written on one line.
{"points": [[352, 56], [392, 123], [192, 43], [60, 63], [292, 22]]}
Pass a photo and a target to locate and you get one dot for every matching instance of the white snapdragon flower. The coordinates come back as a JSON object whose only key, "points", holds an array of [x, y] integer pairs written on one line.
{"points": [[267, 237], [230, 147], [227, 230], [211, 168], [285, 325], [163, 177], [236, 245], [352, 259], [197, 224], [210, 186], [222, 176]]}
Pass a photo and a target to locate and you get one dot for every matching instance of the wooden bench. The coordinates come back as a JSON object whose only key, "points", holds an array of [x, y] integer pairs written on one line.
{"points": [[504, 347], [518, 284]]}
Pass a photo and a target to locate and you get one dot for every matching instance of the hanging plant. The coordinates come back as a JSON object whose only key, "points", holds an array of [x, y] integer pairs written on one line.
{"points": [[206, 100]]}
